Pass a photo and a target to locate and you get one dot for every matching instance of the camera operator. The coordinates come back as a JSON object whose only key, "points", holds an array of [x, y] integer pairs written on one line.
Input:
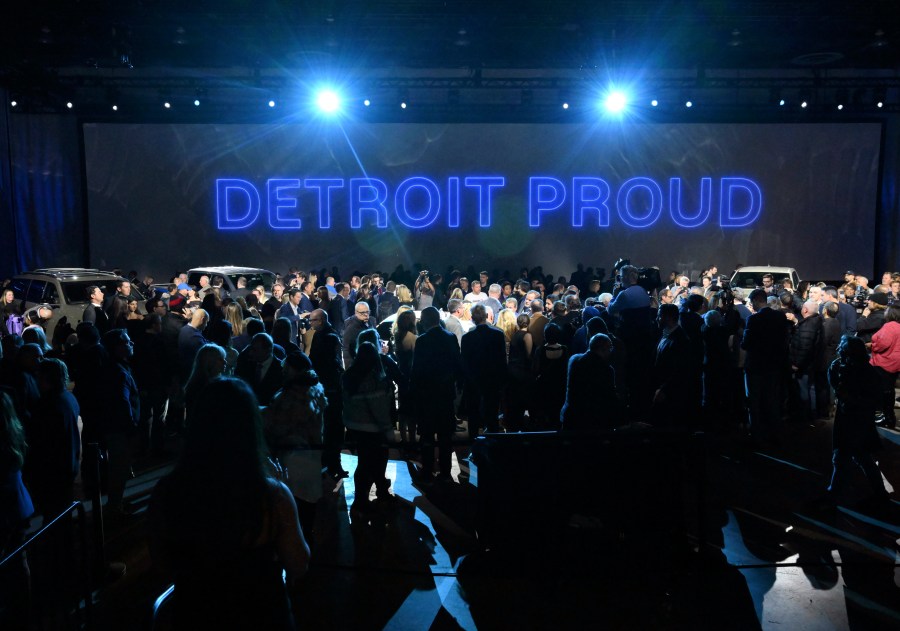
{"points": [[631, 306], [872, 318], [424, 291]]}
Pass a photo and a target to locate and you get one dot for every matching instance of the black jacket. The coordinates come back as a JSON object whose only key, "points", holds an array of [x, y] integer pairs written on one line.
{"points": [[353, 326], [591, 401], [484, 358], [766, 341], [325, 355], [436, 369], [870, 325], [807, 344]]}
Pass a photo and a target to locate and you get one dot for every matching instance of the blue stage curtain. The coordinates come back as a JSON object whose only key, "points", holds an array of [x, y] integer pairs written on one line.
{"points": [[43, 223]]}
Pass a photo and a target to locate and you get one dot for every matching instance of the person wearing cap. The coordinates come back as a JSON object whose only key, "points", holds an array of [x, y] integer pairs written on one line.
{"points": [[872, 318]]}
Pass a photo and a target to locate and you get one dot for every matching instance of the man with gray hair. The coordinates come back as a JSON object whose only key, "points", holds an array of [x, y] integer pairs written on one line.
{"points": [[484, 364], [453, 323], [846, 314], [806, 355], [493, 300]]}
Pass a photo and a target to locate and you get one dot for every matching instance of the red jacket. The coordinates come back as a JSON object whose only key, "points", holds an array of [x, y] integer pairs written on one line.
{"points": [[886, 347]]}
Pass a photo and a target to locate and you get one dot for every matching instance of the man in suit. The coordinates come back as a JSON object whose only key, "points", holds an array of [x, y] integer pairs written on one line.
{"points": [[94, 312], [591, 401], [484, 364], [537, 324], [325, 355], [388, 303], [340, 308], [676, 396], [293, 311], [361, 319], [307, 288], [453, 323], [258, 366], [190, 339], [766, 338], [436, 370]]}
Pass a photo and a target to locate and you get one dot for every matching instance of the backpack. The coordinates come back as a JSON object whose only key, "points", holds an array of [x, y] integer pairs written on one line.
{"points": [[15, 324]]}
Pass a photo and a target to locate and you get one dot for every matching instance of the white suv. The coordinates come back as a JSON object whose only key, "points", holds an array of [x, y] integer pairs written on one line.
{"points": [[64, 290], [750, 277]]}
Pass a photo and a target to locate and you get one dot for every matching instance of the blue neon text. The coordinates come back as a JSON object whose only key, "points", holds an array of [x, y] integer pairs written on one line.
{"points": [[421, 202]]}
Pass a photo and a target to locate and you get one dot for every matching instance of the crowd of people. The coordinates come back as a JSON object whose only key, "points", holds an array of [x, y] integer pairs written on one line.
{"points": [[430, 355]]}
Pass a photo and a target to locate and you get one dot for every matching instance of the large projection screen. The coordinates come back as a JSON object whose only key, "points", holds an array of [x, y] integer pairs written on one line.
{"points": [[366, 196]]}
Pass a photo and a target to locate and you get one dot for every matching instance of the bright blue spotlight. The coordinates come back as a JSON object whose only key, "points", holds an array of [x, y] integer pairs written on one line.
{"points": [[615, 102], [328, 101]]}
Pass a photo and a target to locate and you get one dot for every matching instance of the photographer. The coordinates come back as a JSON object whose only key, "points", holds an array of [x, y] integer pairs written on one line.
{"points": [[637, 330], [424, 291], [872, 318]]}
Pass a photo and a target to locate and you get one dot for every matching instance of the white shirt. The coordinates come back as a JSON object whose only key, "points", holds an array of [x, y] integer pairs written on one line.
{"points": [[473, 298]]}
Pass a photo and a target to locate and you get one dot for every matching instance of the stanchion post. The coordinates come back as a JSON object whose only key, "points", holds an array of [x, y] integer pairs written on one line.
{"points": [[93, 462], [85, 567]]}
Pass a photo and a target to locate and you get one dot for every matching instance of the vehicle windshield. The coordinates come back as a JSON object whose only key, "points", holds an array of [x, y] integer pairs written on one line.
{"points": [[267, 280], [752, 280], [76, 290]]}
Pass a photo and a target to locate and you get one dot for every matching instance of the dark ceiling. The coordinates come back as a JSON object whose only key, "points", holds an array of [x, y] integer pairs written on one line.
{"points": [[363, 34], [98, 52]]}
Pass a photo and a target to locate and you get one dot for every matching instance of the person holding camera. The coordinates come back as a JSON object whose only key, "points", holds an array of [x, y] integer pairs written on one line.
{"points": [[424, 290]]}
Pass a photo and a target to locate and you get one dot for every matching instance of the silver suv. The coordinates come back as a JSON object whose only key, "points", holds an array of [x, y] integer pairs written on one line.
{"points": [[64, 290], [230, 274]]}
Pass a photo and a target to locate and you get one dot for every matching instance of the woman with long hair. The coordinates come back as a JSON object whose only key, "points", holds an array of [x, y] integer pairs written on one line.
{"points": [[293, 426], [323, 297], [281, 335], [506, 322], [209, 363], [456, 294], [118, 312], [368, 396], [8, 307], [404, 295], [518, 391], [219, 333], [221, 525], [551, 363], [404, 347], [234, 315]]}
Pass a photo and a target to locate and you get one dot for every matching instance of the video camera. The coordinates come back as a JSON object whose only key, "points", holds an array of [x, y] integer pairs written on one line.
{"points": [[648, 277]]}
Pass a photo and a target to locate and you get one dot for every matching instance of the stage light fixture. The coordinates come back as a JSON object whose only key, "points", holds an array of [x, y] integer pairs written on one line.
{"points": [[803, 104], [403, 105], [328, 101], [167, 105], [69, 105], [781, 102], [840, 106], [115, 108], [879, 104], [196, 102], [615, 102], [367, 102], [13, 103], [565, 106], [654, 103], [271, 103], [689, 104]]}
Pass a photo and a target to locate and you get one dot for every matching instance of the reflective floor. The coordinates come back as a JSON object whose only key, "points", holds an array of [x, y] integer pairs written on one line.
{"points": [[758, 549]]}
